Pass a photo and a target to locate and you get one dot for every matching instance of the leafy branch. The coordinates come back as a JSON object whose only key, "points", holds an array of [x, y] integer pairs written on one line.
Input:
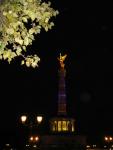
{"points": [[15, 32]]}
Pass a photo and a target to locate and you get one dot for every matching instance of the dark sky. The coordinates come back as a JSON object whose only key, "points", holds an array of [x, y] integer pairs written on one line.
{"points": [[84, 31]]}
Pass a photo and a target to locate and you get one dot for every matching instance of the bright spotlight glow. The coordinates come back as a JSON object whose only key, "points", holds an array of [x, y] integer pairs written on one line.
{"points": [[106, 138], [111, 138], [39, 119], [36, 138], [31, 138], [23, 118]]}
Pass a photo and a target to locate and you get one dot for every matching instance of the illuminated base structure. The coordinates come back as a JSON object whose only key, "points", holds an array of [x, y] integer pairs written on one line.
{"points": [[63, 136], [62, 127]]}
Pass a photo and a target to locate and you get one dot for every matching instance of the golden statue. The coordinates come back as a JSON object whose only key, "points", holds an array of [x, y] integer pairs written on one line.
{"points": [[61, 60]]}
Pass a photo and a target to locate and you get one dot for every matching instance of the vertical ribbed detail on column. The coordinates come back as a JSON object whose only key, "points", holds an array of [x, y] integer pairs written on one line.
{"points": [[62, 93]]}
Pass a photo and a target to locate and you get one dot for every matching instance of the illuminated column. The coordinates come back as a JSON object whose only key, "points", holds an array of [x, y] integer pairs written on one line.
{"points": [[62, 123], [62, 93]]}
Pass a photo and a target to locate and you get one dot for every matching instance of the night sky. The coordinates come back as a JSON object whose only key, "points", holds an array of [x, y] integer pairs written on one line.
{"points": [[84, 31]]}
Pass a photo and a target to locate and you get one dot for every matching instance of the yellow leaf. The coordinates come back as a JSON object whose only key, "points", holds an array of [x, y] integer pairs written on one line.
{"points": [[22, 62], [1, 57], [24, 19], [26, 41], [18, 51], [27, 63]]}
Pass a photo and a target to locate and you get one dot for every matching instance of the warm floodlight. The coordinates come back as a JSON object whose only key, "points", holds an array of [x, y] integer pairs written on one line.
{"points": [[106, 138], [31, 138], [39, 119], [23, 119], [36, 138], [110, 138]]}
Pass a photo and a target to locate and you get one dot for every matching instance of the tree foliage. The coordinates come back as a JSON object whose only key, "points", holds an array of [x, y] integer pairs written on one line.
{"points": [[20, 21]]}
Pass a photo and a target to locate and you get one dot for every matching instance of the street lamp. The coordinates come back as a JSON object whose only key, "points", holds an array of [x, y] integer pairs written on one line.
{"points": [[23, 118], [32, 122], [39, 119], [108, 140], [34, 138]]}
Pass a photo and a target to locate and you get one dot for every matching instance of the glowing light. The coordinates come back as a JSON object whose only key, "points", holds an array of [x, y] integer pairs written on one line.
{"points": [[94, 145], [7, 144], [23, 119], [36, 138], [106, 138], [105, 146], [59, 126], [64, 126], [111, 138], [88, 146], [34, 145], [31, 138], [39, 119]]}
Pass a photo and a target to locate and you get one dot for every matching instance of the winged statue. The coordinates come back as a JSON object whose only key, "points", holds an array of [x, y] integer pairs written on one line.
{"points": [[62, 59]]}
